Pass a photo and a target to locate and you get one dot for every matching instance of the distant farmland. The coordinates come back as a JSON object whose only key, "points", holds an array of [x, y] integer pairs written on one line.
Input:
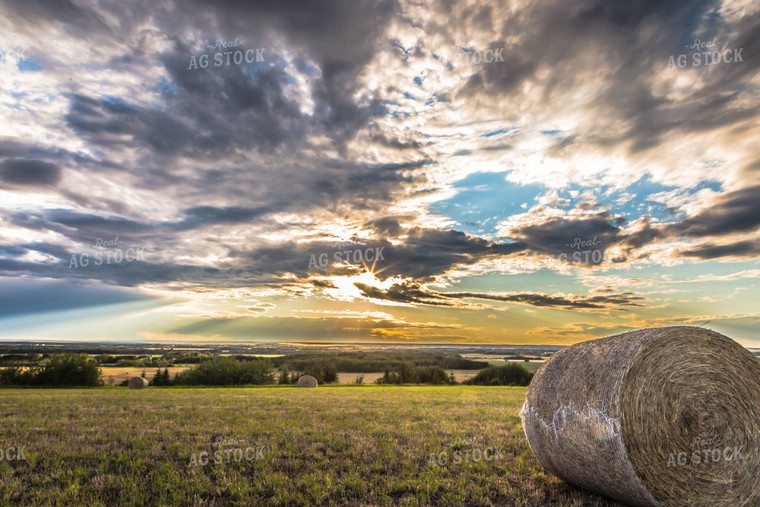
{"points": [[334, 445], [117, 374]]}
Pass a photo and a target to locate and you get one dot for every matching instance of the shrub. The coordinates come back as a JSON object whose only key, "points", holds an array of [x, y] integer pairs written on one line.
{"points": [[70, 370], [161, 378], [409, 374], [509, 375], [432, 375], [325, 373], [227, 371], [60, 370]]}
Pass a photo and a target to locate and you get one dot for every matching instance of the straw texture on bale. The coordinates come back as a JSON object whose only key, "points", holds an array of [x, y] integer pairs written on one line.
{"points": [[662, 416], [138, 383], [307, 381]]}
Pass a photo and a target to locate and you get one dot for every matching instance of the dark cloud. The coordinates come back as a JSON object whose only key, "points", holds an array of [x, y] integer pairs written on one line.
{"points": [[208, 111], [426, 253], [29, 172], [558, 236], [564, 302], [405, 293], [82, 227], [732, 212], [199, 216], [711, 251], [413, 293], [70, 265], [631, 42], [389, 226]]}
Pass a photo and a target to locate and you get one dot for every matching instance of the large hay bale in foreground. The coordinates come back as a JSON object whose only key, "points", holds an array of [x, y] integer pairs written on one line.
{"points": [[663, 416], [138, 383], [307, 381]]}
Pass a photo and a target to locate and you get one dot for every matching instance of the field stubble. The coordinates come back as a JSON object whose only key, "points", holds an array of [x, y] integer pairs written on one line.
{"points": [[362, 445]]}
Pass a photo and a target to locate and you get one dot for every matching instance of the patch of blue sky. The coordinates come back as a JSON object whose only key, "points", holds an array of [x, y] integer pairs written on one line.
{"points": [[167, 87], [25, 65], [496, 132], [253, 69], [435, 98], [287, 78], [633, 201], [550, 132], [484, 199]]}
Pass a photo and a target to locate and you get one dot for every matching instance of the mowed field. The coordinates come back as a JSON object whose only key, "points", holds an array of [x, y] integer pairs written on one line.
{"points": [[358, 445], [113, 375]]}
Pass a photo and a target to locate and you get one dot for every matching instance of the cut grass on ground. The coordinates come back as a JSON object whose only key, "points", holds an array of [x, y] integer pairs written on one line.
{"points": [[349, 445]]}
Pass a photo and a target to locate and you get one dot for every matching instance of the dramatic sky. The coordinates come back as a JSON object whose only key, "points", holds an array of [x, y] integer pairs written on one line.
{"points": [[521, 171]]}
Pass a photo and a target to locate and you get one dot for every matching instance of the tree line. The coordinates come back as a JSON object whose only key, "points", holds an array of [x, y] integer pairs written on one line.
{"points": [[71, 369], [66, 369], [368, 362]]}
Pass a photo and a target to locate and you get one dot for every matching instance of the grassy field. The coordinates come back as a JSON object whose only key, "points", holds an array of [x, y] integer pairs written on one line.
{"points": [[362, 445]]}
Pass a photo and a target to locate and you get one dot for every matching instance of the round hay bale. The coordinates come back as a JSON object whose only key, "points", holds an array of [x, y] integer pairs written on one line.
{"points": [[138, 383], [662, 416], [307, 381]]}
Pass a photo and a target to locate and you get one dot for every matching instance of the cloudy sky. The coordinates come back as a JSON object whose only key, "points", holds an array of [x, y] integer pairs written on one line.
{"points": [[537, 171]]}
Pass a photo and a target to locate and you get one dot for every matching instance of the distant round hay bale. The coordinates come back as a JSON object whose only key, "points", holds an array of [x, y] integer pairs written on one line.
{"points": [[307, 381], [138, 383], [663, 416]]}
